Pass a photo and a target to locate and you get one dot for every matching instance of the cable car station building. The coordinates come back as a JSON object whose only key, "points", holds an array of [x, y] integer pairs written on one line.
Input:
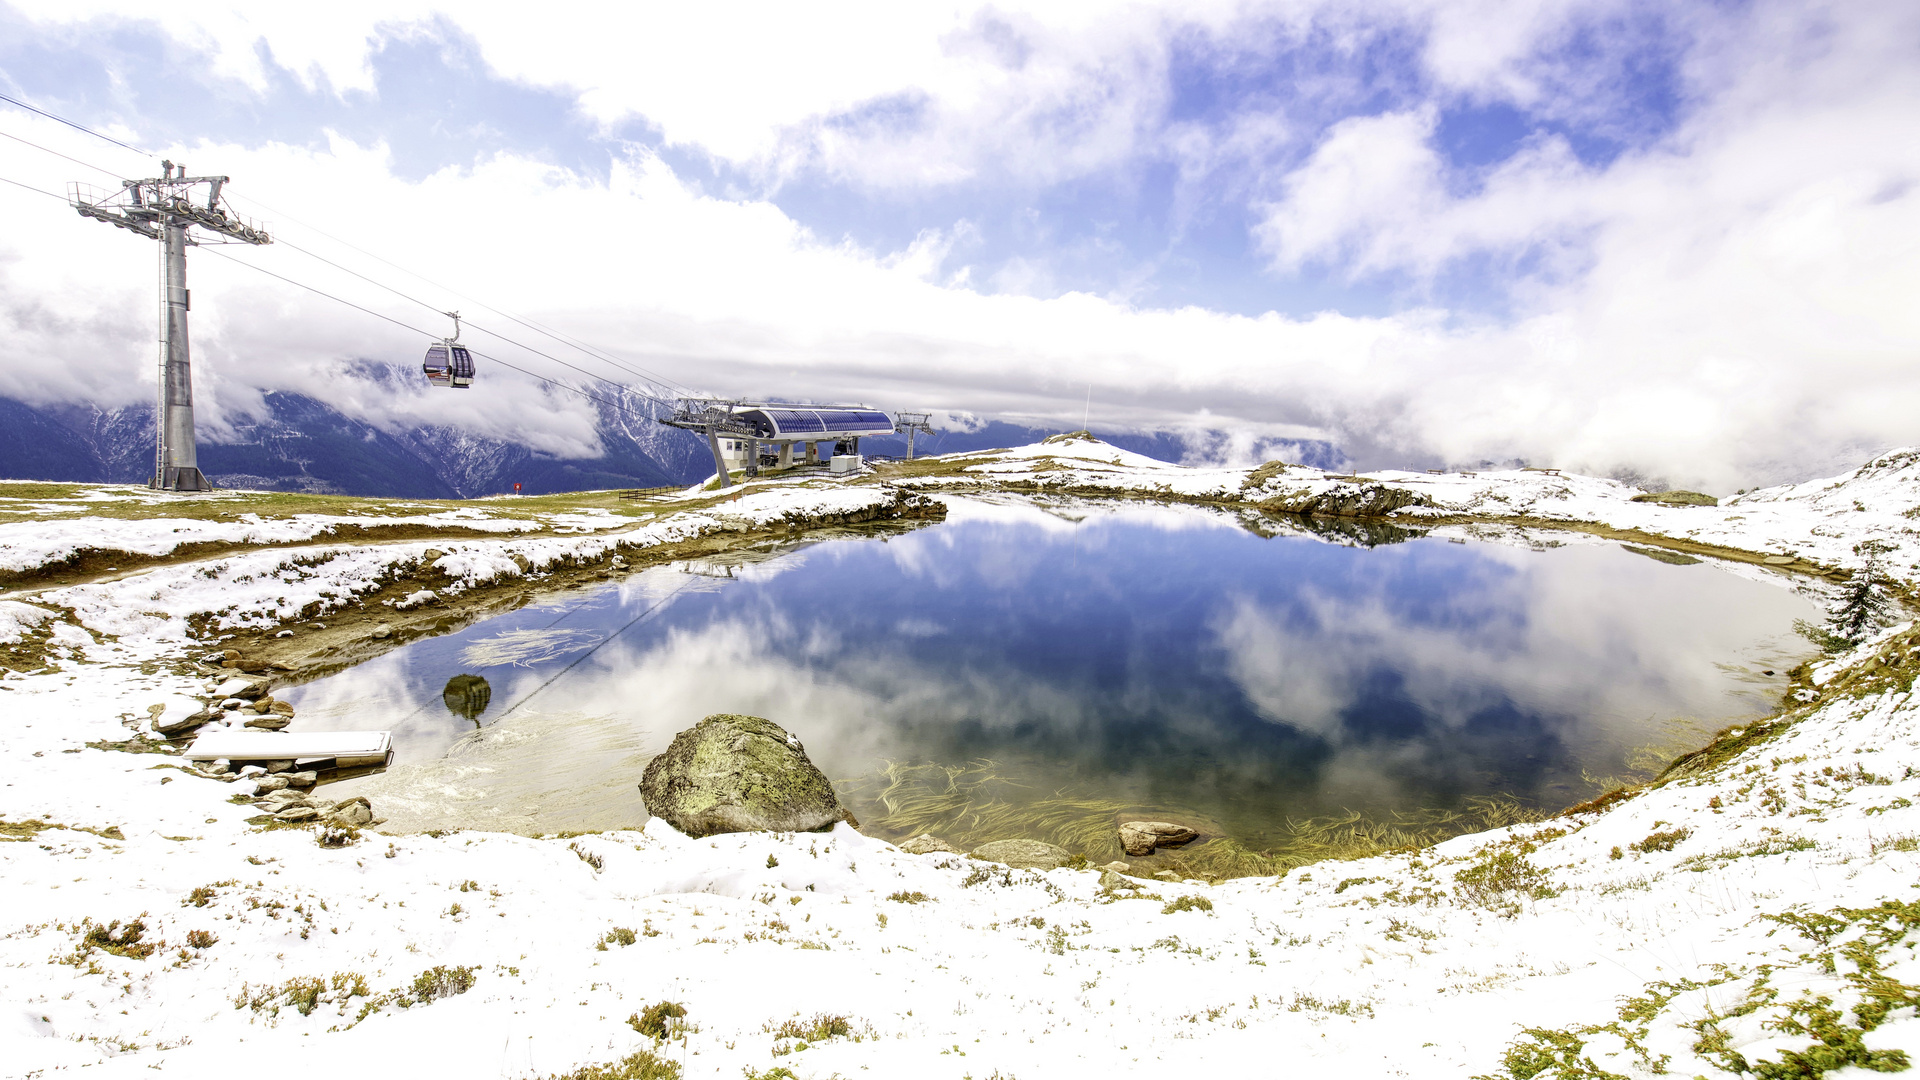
{"points": [[749, 434]]}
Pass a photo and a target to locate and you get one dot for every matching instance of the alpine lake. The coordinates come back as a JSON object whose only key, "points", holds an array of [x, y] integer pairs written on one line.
{"points": [[1048, 669]]}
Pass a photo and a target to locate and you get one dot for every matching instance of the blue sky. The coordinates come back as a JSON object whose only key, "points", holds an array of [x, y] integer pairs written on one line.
{"points": [[1153, 227], [1351, 201]]}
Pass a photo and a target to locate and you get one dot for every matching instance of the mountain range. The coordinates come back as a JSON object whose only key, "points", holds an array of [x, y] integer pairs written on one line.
{"points": [[302, 444]]}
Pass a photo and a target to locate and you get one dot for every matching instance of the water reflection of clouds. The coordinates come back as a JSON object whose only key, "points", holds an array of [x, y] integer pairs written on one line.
{"points": [[1162, 653], [946, 557], [1575, 639]]}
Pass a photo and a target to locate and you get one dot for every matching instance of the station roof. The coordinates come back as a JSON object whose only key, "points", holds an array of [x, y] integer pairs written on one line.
{"points": [[788, 421]]}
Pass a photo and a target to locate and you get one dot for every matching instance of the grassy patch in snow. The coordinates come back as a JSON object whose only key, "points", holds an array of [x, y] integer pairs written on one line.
{"points": [[661, 1020], [1774, 843], [306, 993], [126, 502], [639, 1065], [795, 1035], [1806, 1017], [1501, 878], [27, 830]]}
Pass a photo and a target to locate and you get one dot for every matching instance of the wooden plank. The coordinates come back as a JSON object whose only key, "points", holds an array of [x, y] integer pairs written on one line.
{"points": [[348, 748]]}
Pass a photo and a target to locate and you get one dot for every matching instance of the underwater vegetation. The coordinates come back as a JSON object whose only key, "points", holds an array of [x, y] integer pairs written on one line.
{"points": [[978, 802]]}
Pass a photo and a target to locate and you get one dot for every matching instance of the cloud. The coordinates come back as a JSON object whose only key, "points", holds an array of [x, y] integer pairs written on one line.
{"points": [[1374, 199], [1725, 299]]}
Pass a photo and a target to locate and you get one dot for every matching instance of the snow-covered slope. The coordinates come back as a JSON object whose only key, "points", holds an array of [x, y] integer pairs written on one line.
{"points": [[1752, 910], [1817, 522]]}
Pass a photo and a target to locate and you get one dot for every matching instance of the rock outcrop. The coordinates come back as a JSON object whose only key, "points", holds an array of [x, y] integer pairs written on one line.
{"points": [[1141, 837], [180, 725], [1677, 498], [1023, 854], [297, 807], [732, 773], [1366, 499]]}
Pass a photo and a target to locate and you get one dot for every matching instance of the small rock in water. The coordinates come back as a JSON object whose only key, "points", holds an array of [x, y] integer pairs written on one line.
{"points": [[733, 773], [303, 778], [283, 765], [1023, 854], [297, 813], [383, 630], [1118, 867], [252, 771], [268, 784], [284, 633], [928, 844], [281, 708], [1141, 837], [269, 722]]}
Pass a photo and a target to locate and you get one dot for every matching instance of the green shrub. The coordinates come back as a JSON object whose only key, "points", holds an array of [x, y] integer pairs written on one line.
{"points": [[619, 935], [120, 940], [639, 1065], [660, 1020], [1500, 880], [442, 982], [820, 1028], [1661, 841], [1187, 903]]}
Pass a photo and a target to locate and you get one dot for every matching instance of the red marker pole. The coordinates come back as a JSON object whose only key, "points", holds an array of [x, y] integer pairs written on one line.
{"points": [[516, 487]]}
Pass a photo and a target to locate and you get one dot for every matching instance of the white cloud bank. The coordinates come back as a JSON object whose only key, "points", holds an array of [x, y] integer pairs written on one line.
{"points": [[1730, 304]]}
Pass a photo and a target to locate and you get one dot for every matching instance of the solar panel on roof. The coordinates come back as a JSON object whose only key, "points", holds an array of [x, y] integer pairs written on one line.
{"points": [[855, 420], [793, 421]]}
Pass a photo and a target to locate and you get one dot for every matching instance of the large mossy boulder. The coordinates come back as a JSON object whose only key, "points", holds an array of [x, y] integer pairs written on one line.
{"points": [[732, 773]]}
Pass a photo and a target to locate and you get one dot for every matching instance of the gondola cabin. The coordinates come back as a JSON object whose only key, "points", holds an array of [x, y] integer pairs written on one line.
{"points": [[449, 364]]}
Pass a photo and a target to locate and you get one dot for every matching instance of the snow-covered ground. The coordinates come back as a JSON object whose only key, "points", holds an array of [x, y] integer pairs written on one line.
{"points": [[1817, 522], [1753, 907]]}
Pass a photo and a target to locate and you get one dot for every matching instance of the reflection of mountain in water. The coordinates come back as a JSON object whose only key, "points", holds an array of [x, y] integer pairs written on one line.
{"points": [[1356, 532]]}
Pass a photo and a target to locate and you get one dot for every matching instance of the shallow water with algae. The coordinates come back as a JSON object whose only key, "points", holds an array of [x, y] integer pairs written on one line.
{"points": [[1046, 671]]}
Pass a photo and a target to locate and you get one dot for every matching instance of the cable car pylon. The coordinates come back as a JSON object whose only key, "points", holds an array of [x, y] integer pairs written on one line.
{"points": [[163, 209]]}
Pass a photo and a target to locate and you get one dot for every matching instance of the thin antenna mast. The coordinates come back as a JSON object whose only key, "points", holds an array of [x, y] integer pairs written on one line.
{"points": [[163, 209]]}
